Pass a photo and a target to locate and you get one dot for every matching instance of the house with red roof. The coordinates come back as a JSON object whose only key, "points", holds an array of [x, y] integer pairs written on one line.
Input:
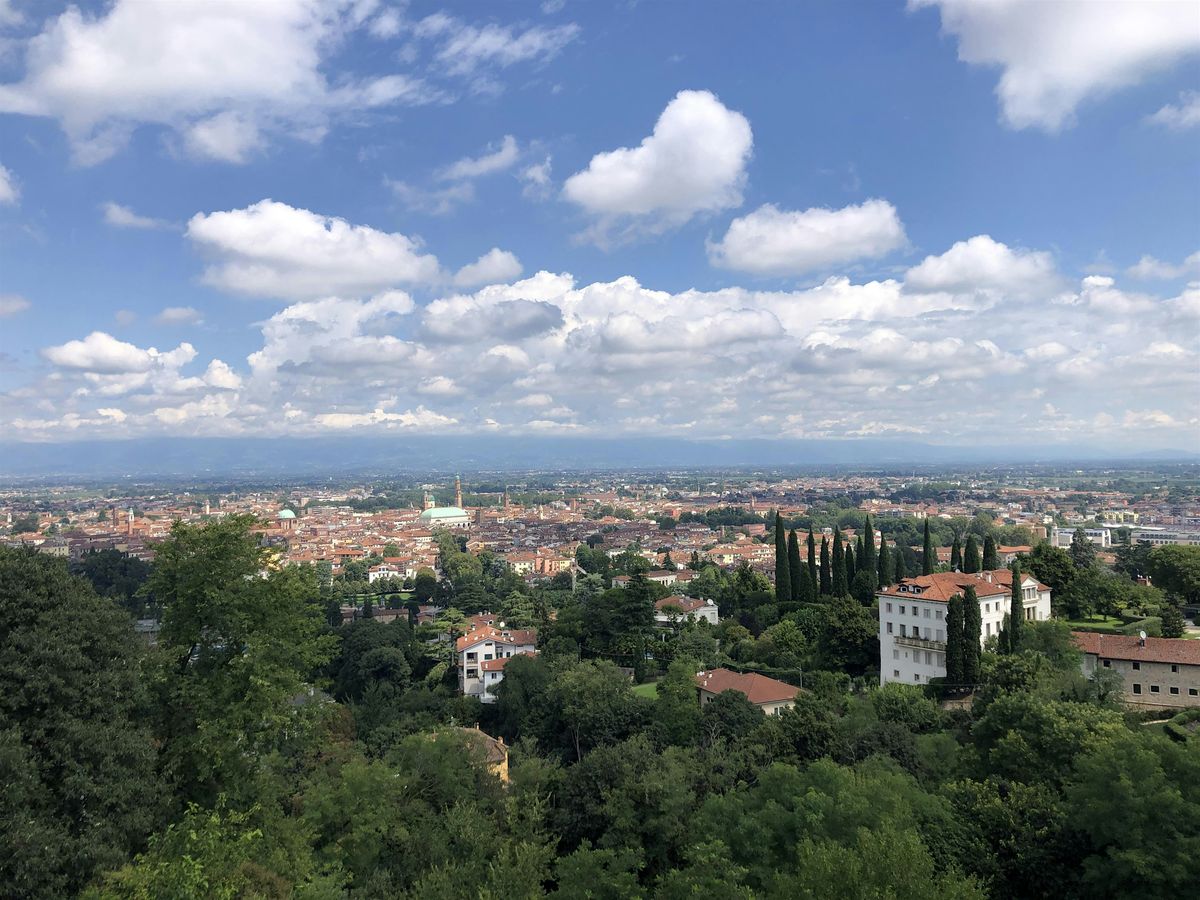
{"points": [[1155, 672], [768, 694], [489, 644]]}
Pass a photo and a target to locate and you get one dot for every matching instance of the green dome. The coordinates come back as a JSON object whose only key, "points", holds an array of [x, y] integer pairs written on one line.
{"points": [[443, 512], [286, 514]]}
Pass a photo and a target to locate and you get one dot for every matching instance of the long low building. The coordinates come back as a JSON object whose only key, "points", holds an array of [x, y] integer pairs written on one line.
{"points": [[1156, 672]]}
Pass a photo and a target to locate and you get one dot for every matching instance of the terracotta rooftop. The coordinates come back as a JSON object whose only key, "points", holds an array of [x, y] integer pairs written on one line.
{"points": [[1120, 646], [757, 688], [687, 604], [508, 636], [941, 586]]}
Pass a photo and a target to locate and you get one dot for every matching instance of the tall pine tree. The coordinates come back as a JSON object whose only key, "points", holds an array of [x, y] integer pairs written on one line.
{"points": [[796, 572], [928, 557], [971, 555], [814, 583], [783, 580], [884, 566], [826, 585], [899, 569], [1016, 612], [840, 582], [956, 556], [972, 628], [867, 561], [851, 565], [991, 559], [954, 643]]}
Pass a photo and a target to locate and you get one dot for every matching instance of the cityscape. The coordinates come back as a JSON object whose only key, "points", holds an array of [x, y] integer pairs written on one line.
{"points": [[599, 451]]}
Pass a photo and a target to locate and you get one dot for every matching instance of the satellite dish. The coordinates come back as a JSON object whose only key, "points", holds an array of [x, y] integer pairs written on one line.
{"points": [[1142, 635]]}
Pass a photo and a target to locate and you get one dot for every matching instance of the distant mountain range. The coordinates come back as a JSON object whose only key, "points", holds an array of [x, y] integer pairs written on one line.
{"points": [[183, 458]]}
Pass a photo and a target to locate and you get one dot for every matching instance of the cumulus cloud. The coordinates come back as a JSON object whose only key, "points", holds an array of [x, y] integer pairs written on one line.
{"points": [[11, 304], [9, 192], [983, 264], [693, 163], [104, 354], [413, 418], [1150, 269], [219, 75], [1179, 116], [771, 241], [1058, 54], [119, 216], [271, 249], [493, 267]]}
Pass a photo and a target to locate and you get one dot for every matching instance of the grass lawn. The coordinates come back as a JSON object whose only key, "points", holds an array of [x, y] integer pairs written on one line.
{"points": [[650, 689], [1097, 623]]}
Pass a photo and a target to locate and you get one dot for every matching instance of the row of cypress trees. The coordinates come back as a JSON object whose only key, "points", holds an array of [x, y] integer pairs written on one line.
{"points": [[833, 571], [968, 559], [964, 625]]}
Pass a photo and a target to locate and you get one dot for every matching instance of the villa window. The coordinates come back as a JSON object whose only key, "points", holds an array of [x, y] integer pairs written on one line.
{"points": [[889, 627], [1154, 688], [472, 673], [471, 657], [1137, 666], [1137, 688]]}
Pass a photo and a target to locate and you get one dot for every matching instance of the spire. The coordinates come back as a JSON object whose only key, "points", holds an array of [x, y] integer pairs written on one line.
{"points": [[458, 491]]}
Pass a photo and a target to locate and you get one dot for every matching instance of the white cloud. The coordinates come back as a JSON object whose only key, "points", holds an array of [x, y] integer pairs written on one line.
{"points": [[770, 241], [465, 49], [9, 192], [120, 216], [983, 264], [11, 304], [1058, 54], [220, 375], [413, 418], [536, 178], [694, 162], [1185, 114], [493, 267], [271, 249], [1150, 269], [502, 157], [102, 353], [436, 201], [387, 24], [178, 315], [219, 74]]}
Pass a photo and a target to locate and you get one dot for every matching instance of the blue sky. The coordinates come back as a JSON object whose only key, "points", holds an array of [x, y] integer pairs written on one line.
{"points": [[947, 220]]}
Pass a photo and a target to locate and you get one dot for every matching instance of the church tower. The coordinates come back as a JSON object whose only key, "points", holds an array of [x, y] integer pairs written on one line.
{"points": [[458, 492]]}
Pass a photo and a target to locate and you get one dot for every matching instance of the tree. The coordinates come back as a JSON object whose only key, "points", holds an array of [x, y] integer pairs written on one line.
{"points": [[972, 635], [971, 562], [928, 557], [728, 716], [955, 637], [594, 704], [991, 558], [1173, 623], [236, 645], [839, 584], [1016, 612], [783, 579], [1176, 569], [424, 586], [956, 560], [797, 575], [884, 566], [1083, 551], [826, 574], [867, 556], [899, 570], [851, 564], [1052, 566], [76, 758], [814, 580]]}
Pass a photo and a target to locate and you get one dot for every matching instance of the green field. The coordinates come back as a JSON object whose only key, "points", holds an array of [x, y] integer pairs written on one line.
{"points": [[1106, 624], [650, 689]]}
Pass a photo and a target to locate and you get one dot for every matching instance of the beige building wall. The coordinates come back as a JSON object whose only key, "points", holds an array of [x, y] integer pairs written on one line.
{"points": [[1152, 684]]}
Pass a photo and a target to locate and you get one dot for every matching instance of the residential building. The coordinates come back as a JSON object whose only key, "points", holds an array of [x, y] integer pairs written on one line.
{"points": [[912, 618], [1062, 537], [678, 608], [768, 694], [486, 644], [1156, 672], [1163, 536]]}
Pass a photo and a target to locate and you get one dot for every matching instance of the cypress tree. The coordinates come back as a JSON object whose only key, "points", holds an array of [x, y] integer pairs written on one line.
{"points": [[796, 573], [928, 557], [840, 584], [826, 585], [972, 628], [1016, 612], [867, 557], [898, 569], [783, 581], [884, 565], [991, 559], [954, 642], [956, 556], [814, 582], [851, 565], [971, 555]]}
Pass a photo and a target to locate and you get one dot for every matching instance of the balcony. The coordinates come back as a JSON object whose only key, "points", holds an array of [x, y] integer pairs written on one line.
{"points": [[920, 643]]}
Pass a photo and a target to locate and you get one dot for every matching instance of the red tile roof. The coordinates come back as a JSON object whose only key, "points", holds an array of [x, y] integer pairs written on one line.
{"points": [[687, 604], [1120, 646], [757, 688], [512, 636], [941, 586]]}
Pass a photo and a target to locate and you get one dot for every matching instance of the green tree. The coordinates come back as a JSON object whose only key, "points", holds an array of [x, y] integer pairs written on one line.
{"points": [[595, 705], [676, 710], [955, 638], [840, 585], [972, 636], [899, 569], [851, 564], [783, 579], [956, 560], [1052, 566], [425, 585], [1083, 551], [991, 558], [885, 566], [796, 571], [76, 758], [238, 641], [1173, 623], [1176, 569], [928, 557], [1016, 613], [825, 582], [867, 557], [971, 562]]}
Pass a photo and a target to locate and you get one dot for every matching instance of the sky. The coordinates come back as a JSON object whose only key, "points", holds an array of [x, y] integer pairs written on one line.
{"points": [[955, 221]]}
